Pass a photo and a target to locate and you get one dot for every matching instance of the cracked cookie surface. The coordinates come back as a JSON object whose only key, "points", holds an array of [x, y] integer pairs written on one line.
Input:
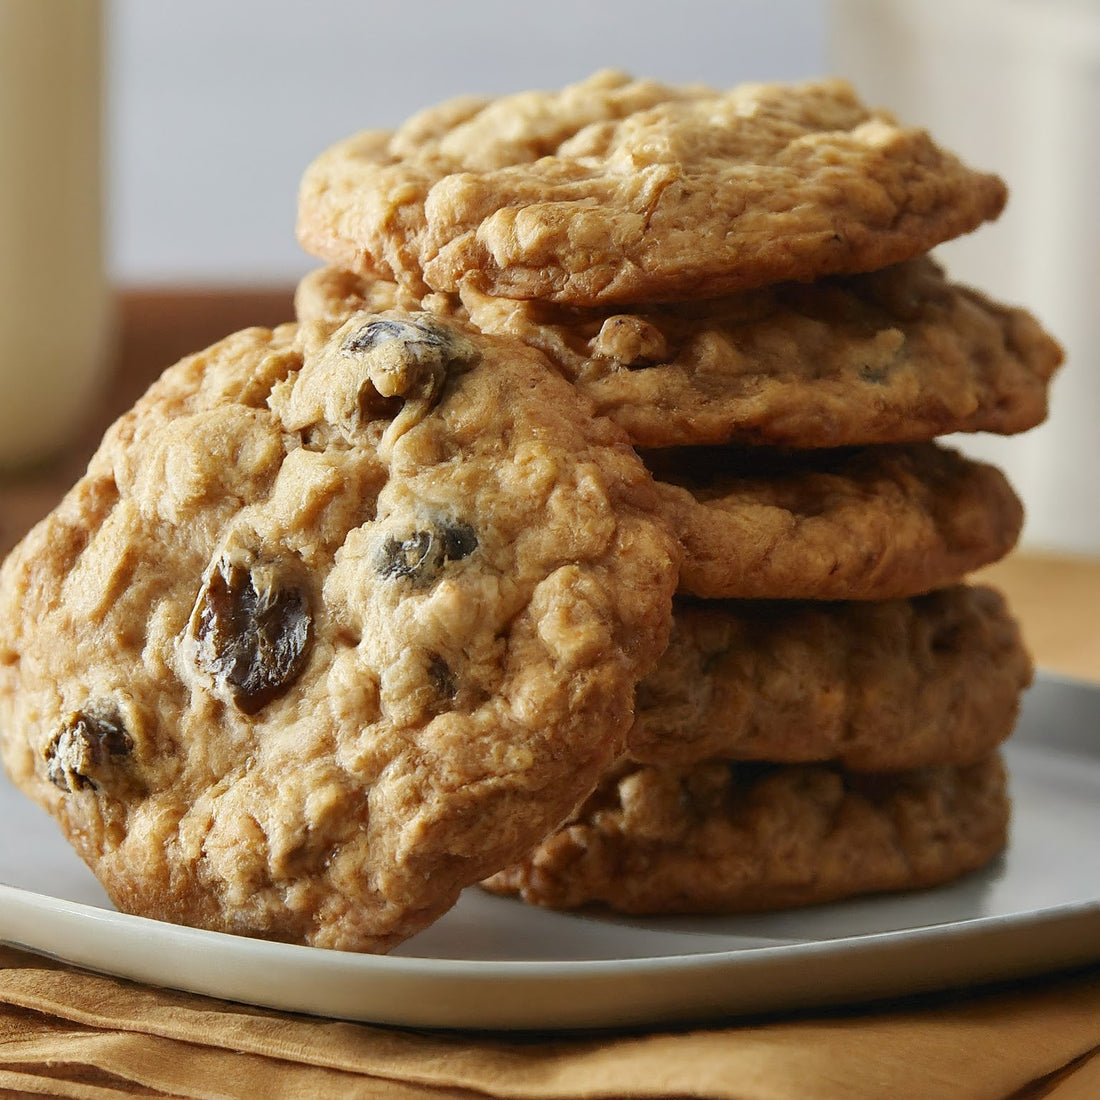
{"points": [[621, 190], [892, 356], [728, 838], [878, 686], [335, 624]]}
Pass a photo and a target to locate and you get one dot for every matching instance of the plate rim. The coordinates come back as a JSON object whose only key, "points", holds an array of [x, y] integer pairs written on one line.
{"points": [[541, 994], [535, 967]]}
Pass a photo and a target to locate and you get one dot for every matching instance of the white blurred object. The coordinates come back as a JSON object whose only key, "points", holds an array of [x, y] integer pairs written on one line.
{"points": [[1012, 86], [54, 301]]}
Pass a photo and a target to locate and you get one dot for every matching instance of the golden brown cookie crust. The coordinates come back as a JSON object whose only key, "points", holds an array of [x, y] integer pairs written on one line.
{"points": [[892, 356], [621, 190], [878, 686], [723, 838], [333, 624], [873, 523]]}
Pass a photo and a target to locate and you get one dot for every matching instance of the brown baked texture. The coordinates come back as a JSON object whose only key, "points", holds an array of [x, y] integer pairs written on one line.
{"points": [[880, 686], [892, 356], [622, 190], [334, 625], [871, 523], [728, 838]]}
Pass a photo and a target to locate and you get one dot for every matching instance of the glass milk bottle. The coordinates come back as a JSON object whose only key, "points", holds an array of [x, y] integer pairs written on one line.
{"points": [[54, 300]]}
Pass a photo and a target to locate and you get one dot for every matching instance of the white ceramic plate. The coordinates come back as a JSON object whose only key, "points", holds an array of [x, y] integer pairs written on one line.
{"points": [[494, 963]]}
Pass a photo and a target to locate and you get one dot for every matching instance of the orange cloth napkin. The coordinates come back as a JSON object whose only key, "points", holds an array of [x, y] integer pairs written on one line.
{"points": [[68, 1033]]}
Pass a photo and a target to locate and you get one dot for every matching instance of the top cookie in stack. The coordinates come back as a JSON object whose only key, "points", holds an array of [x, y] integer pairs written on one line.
{"points": [[617, 190]]}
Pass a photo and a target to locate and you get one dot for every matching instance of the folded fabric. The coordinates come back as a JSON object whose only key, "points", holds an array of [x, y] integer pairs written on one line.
{"points": [[65, 1032]]}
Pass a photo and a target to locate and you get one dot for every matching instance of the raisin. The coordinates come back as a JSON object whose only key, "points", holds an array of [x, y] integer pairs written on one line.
{"points": [[407, 358], [252, 637], [422, 556], [375, 333], [459, 541], [83, 749]]}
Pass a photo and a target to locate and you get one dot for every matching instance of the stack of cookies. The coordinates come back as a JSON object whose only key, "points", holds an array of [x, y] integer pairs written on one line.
{"points": [[742, 282], [585, 535]]}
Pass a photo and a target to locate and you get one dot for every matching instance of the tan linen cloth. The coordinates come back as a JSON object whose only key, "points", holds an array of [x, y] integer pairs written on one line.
{"points": [[64, 1032]]}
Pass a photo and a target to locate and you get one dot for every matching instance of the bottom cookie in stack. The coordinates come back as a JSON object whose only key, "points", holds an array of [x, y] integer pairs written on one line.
{"points": [[847, 750], [726, 837]]}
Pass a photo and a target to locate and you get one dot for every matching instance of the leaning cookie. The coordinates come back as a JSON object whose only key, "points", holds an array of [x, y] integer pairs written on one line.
{"points": [[892, 356], [727, 838], [879, 686], [872, 523], [333, 626], [621, 190]]}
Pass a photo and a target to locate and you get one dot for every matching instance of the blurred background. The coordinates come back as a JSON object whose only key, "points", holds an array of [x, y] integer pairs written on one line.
{"points": [[212, 109]]}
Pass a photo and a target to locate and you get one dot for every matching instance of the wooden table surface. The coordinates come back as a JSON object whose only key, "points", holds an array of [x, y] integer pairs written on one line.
{"points": [[1057, 599]]}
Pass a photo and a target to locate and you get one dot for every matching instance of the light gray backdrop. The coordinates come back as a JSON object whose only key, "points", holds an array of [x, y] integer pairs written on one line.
{"points": [[216, 106]]}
